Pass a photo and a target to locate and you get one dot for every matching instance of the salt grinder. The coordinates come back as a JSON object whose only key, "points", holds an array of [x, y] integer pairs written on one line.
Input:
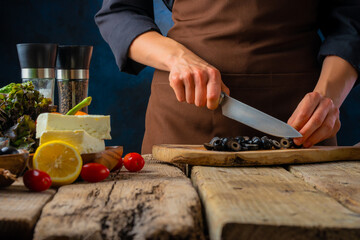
{"points": [[72, 74], [37, 62]]}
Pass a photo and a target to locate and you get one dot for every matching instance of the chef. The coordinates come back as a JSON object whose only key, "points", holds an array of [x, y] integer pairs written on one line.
{"points": [[265, 53]]}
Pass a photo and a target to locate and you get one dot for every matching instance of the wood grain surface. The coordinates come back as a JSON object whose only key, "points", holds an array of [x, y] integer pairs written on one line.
{"points": [[198, 156], [340, 180], [269, 203], [20, 210], [157, 203]]}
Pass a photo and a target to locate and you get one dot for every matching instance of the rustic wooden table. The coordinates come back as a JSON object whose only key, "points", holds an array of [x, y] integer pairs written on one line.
{"points": [[317, 201]]}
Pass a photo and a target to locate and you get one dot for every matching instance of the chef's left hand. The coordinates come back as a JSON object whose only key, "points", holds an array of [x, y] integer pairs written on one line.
{"points": [[316, 118], [317, 115]]}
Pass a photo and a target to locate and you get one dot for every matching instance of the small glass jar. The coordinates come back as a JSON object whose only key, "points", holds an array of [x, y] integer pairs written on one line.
{"points": [[37, 62], [71, 91], [72, 75], [45, 84]]}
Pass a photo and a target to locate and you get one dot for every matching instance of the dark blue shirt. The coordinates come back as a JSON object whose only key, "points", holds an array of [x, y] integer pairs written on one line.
{"points": [[121, 21]]}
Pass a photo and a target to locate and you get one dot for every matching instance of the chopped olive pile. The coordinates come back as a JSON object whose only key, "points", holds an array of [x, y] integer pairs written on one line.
{"points": [[244, 143]]}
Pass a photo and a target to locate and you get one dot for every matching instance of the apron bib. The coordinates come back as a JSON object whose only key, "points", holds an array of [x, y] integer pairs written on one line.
{"points": [[266, 51]]}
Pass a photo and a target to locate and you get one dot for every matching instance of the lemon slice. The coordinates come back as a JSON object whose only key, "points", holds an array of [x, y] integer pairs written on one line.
{"points": [[60, 160]]}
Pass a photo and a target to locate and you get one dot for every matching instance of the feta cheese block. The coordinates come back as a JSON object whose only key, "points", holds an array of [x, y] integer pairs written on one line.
{"points": [[82, 141], [97, 126]]}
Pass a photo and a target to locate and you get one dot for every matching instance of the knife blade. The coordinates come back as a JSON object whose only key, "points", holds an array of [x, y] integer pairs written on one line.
{"points": [[254, 118]]}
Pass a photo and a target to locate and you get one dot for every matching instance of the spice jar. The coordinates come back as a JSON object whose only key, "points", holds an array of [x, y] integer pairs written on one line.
{"points": [[37, 62], [72, 74]]}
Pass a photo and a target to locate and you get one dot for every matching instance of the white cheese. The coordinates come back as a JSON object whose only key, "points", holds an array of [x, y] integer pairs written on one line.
{"points": [[82, 141], [97, 126]]}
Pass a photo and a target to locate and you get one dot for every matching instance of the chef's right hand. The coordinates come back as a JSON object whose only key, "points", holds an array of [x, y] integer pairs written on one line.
{"points": [[195, 81]]}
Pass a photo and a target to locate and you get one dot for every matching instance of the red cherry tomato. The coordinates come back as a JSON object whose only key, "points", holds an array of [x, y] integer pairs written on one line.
{"points": [[133, 162], [37, 180], [118, 165], [94, 172]]}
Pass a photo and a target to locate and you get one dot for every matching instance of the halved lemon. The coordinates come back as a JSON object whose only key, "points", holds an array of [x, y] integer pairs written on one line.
{"points": [[60, 160]]}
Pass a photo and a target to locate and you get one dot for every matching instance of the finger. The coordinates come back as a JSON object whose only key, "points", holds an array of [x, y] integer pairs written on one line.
{"points": [[178, 86], [304, 110], [200, 80], [317, 119], [189, 87], [225, 89], [327, 130], [213, 89]]}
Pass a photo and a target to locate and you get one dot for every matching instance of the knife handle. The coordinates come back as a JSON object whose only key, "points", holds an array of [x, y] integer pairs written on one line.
{"points": [[222, 96]]}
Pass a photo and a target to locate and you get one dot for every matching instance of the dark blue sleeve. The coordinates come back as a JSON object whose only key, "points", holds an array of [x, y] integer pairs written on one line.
{"points": [[340, 25], [120, 22]]}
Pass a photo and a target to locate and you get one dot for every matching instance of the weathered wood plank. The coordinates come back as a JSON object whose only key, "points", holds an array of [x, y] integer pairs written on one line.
{"points": [[157, 203], [269, 203], [20, 209], [340, 180]]}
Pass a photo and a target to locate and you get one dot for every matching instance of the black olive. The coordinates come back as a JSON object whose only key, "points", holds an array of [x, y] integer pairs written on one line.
{"points": [[214, 139], [233, 145], [285, 143], [218, 145], [224, 142], [208, 146], [251, 146], [239, 139], [276, 144], [257, 140], [9, 150], [264, 137], [266, 143]]}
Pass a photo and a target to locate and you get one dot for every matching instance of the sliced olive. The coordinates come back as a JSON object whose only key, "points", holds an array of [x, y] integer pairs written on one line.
{"points": [[251, 146], [224, 142], [291, 142], [276, 144], [233, 145], [208, 146], [266, 143], [239, 139], [214, 139], [285, 143], [257, 140], [9, 150], [218, 145]]}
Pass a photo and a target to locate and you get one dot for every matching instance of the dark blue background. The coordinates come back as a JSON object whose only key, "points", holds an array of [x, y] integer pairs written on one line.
{"points": [[121, 95]]}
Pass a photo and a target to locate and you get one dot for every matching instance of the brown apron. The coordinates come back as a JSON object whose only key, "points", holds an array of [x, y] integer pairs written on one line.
{"points": [[266, 51]]}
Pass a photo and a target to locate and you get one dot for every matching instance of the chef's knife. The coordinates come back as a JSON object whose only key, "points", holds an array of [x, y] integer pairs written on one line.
{"points": [[254, 118]]}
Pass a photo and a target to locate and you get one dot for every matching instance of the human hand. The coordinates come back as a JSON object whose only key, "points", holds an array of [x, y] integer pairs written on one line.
{"points": [[195, 81], [316, 118]]}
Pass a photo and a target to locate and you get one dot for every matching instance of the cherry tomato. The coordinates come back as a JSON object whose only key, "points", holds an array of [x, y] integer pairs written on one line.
{"points": [[94, 172], [133, 162], [118, 165], [37, 180]]}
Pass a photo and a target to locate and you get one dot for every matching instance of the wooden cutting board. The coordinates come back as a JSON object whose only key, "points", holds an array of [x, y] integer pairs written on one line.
{"points": [[198, 155]]}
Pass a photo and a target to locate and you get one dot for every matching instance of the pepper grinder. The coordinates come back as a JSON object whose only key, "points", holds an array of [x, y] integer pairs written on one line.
{"points": [[37, 62], [72, 74]]}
